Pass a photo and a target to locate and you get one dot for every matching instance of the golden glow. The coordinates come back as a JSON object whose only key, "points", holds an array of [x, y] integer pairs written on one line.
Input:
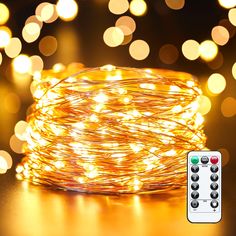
{"points": [[16, 144], [67, 9], [35, 19], [190, 49], [216, 83], [118, 7], [138, 7], [168, 54], [4, 14], [175, 4], [234, 70], [47, 12], [232, 16], [14, 47], [204, 105], [228, 107], [20, 130], [220, 35], [7, 157], [3, 165], [31, 32], [22, 64], [48, 45], [113, 36], [5, 36], [225, 156], [0, 58], [126, 24], [12, 103], [139, 49], [106, 139], [208, 50], [227, 3]]}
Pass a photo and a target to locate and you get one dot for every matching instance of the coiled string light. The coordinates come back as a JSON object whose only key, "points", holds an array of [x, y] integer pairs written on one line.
{"points": [[112, 130]]}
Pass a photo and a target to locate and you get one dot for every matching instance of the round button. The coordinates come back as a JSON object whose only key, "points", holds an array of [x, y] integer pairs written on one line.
{"points": [[194, 168], [214, 194], [204, 160], [214, 186], [214, 177], [214, 160], [194, 204], [214, 168], [194, 159], [194, 186], [194, 177], [214, 204], [194, 194]]}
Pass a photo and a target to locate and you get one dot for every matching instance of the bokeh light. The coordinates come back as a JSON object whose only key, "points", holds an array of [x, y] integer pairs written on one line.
{"points": [[118, 7], [3, 165], [220, 35], [216, 83], [12, 103], [208, 50], [16, 144], [67, 9], [4, 14], [227, 3], [139, 49], [7, 157], [113, 36], [190, 49], [231, 29], [138, 7], [5, 36], [14, 47], [0, 58], [128, 22], [36, 64], [48, 45], [168, 54], [46, 12], [217, 62], [20, 130], [204, 105], [175, 4], [22, 64], [234, 70], [232, 16], [228, 107], [34, 19], [31, 32]]}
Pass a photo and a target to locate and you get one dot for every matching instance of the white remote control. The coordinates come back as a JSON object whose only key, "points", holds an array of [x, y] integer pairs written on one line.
{"points": [[204, 187]]}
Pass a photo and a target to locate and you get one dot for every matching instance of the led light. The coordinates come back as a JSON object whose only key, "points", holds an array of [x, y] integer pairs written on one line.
{"points": [[22, 64], [67, 9], [138, 7], [208, 50]]}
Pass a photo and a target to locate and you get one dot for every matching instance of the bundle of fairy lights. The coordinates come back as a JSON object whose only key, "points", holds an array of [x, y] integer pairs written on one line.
{"points": [[112, 129]]}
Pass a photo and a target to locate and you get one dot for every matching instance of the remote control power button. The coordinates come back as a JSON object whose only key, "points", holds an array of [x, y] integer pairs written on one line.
{"points": [[194, 186], [214, 194], [214, 186], [194, 168], [214, 160], [195, 177], [194, 194], [194, 204], [214, 168], [214, 177], [194, 159], [204, 160], [214, 204]]}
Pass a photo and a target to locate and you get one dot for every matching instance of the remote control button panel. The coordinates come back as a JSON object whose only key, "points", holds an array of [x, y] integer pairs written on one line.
{"points": [[204, 186]]}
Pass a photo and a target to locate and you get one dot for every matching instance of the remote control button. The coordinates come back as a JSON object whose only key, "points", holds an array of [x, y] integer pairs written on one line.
{"points": [[214, 177], [214, 195], [214, 168], [204, 160], [214, 204], [194, 159], [214, 186], [194, 186], [194, 204], [194, 168], [195, 177], [194, 194], [214, 160]]}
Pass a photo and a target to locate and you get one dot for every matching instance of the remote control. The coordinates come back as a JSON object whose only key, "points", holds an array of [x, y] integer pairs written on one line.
{"points": [[204, 186]]}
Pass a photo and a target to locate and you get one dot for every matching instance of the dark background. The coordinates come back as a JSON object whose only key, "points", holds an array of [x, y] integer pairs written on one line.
{"points": [[33, 210]]}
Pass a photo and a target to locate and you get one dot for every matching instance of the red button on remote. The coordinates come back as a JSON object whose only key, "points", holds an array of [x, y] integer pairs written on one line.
{"points": [[214, 160]]}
